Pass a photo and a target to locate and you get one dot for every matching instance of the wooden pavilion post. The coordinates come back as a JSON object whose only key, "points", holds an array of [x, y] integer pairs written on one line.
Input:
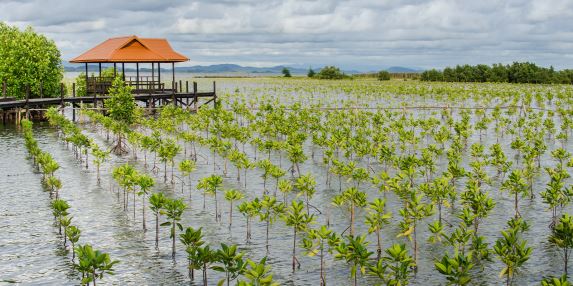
{"points": [[159, 76], [123, 71], [153, 75], [99, 66], [136, 76], [173, 74], [114, 70], [87, 78]]}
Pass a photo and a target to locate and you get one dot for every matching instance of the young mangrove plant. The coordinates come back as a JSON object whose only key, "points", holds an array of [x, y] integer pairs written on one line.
{"points": [[232, 196], [156, 204], [299, 221], [173, 209]]}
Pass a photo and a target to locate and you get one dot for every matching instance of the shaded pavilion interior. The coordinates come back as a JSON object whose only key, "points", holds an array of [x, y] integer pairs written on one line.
{"points": [[130, 50]]}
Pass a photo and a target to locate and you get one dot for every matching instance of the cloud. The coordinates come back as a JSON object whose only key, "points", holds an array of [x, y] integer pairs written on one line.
{"points": [[359, 34]]}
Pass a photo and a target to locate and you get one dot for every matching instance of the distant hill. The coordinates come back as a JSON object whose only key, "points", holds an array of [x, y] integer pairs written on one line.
{"points": [[233, 68], [403, 70], [216, 69]]}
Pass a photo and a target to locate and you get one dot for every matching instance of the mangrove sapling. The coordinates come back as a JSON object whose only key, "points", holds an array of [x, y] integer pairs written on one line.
{"points": [[456, 268], [267, 167], [156, 204], [517, 186], [73, 234], [268, 210], [145, 183], [122, 109], [192, 239], [173, 209], [439, 191], [414, 211], [59, 210], [277, 173], [134, 140], [555, 281], [65, 222], [512, 249], [477, 202], [376, 219], [349, 200], [54, 184], [354, 251], [186, 167], [314, 243], [258, 274], [306, 185], [231, 196], [556, 195], [562, 237], [205, 257], [231, 263], [285, 187], [395, 267], [299, 221], [210, 185], [167, 152], [249, 210], [99, 157], [93, 264], [296, 156]]}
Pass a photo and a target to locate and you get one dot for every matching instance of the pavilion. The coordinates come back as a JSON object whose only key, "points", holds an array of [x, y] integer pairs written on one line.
{"points": [[130, 49]]}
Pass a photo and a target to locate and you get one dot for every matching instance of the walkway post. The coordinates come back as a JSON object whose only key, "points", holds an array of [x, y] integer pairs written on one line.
{"points": [[62, 97], [195, 98], [214, 94], [27, 99], [73, 107]]}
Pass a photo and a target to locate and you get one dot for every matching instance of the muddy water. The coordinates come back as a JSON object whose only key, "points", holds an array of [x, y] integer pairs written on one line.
{"points": [[31, 251]]}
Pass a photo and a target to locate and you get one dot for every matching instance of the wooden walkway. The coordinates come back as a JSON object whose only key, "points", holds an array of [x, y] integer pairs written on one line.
{"points": [[149, 99], [15, 109]]}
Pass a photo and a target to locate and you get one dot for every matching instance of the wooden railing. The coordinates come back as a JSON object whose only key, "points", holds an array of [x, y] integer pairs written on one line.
{"points": [[143, 84]]}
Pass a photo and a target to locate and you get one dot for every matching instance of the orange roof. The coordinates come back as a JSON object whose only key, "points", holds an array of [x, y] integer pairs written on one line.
{"points": [[131, 49]]}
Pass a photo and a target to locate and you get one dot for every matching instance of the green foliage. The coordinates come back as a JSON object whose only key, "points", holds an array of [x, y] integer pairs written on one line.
{"points": [[311, 73], [30, 59], [258, 274], [517, 72], [395, 268], [330, 72], [562, 237], [455, 268], [512, 249], [93, 264], [121, 104], [555, 281], [286, 72], [383, 75]]}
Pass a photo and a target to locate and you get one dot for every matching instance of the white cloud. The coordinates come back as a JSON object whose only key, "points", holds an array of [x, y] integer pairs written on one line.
{"points": [[365, 34]]}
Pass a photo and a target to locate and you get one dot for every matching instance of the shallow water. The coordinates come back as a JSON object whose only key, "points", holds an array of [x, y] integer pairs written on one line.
{"points": [[31, 251]]}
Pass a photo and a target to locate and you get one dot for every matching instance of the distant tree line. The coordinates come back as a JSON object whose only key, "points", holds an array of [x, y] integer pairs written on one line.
{"points": [[29, 59], [514, 73]]}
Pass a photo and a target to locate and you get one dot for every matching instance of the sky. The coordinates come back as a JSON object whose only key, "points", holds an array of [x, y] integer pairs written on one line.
{"points": [[354, 35]]}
